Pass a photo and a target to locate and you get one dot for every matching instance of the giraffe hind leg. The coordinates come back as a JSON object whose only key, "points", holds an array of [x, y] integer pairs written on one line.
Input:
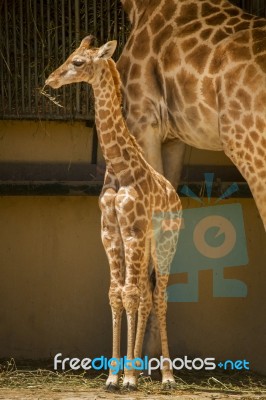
{"points": [[250, 158], [113, 245]]}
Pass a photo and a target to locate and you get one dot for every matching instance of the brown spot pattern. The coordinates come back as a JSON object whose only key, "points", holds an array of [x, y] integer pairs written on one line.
{"points": [[207, 9], [170, 57], [189, 44], [134, 91], [141, 45], [244, 98], [219, 36], [198, 57], [169, 9], [135, 72], [161, 37], [206, 33], [261, 60], [216, 19], [157, 23], [209, 92], [189, 29], [188, 86]]}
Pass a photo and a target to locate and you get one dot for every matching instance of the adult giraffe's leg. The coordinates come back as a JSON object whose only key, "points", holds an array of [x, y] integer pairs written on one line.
{"points": [[249, 155], [173, 153], [256, 181], [242, 125], [113, 245], [150, 140]]}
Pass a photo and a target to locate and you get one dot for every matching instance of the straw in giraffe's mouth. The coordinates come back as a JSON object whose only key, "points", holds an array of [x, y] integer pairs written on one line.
{"points": [[51, 98]]}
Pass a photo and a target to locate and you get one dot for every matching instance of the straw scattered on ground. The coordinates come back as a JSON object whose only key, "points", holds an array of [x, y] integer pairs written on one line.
{"points": [[27, 376]]}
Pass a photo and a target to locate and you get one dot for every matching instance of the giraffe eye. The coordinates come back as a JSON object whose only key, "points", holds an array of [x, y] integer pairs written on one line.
{"points": [[78, 62]]}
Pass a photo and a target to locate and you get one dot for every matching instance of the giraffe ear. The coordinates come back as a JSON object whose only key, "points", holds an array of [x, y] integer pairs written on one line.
{"points": [[107, 50]]}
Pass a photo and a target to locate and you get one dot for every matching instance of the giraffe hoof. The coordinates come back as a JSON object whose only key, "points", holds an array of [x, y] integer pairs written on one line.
{"points": [[129, 387], [111, 387], [169, 385]]}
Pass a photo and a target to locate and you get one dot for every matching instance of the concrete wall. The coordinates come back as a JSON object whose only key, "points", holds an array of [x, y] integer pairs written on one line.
{"points": [[55, 276]]}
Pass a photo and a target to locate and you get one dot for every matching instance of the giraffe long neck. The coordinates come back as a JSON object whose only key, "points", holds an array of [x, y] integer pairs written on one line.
{"points": [[118, 146]]}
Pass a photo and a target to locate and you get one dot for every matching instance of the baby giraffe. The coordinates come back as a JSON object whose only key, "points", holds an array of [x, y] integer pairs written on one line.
{"points": [[141, 213]]}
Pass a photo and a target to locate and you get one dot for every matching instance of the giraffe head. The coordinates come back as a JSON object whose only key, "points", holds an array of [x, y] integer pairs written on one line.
{"points": [[82, 64]]}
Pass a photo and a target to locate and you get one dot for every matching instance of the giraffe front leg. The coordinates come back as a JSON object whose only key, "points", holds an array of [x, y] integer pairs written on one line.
{"points": [[136, 298], [130, 296], [115, 298]]}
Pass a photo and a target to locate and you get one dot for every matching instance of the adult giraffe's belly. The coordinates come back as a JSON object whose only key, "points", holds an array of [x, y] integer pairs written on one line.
{"points": [[195, 129]]}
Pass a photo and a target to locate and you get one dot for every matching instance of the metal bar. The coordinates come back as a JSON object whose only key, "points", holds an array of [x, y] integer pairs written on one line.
{"points": [[123, 36], [86, 17], [77, 22], [55, 15], [108, 19], [8, 60], [91, 188], [101, 22], [86, 30], [22, 59], [115, 20], [77, 39], [15, 59], [70, 89], [94, 17], [63, 29], [63, 38], [51, 189], [2, 67], [28, 81], [42, 52], [48, 44], [36, 61], [48, 117], [55, 47]]}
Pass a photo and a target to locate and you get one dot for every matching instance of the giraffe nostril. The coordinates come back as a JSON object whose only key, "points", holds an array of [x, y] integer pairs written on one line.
{"points": [[48, 80]]}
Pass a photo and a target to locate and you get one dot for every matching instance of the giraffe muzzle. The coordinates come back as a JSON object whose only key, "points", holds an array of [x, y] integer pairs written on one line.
{"points": [[52, 82]]}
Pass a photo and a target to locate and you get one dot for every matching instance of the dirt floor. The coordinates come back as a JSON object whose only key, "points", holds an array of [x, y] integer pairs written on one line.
{"points": [[28, 382], [97, 394]]}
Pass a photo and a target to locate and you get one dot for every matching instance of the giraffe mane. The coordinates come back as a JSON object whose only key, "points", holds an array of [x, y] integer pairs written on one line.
{"points": [[116, 78], [117, 83]]}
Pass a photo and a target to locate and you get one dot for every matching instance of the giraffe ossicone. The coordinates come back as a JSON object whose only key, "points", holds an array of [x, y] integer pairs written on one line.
{"points": [[141, 211]]}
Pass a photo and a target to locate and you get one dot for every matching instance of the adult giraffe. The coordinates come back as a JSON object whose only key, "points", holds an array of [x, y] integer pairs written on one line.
{"points": [[194, 72]]}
